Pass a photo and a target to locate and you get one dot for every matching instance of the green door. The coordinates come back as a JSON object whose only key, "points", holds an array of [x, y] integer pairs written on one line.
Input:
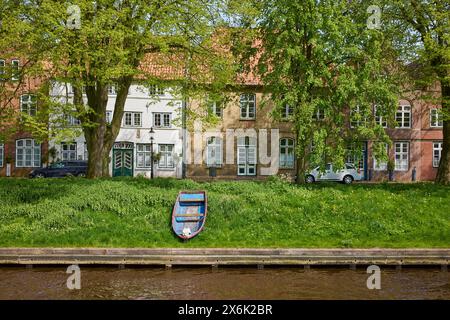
{"points": [[122, 163]]}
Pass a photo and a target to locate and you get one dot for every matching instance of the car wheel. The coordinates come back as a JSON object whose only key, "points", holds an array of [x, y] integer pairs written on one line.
{"points": [[309, 179], [39, 175], [81, 175], [348, 179]]}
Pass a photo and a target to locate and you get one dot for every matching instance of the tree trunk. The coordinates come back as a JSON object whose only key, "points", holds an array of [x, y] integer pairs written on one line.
{"points": [[101, 136], [301, 171], [443, 174]]}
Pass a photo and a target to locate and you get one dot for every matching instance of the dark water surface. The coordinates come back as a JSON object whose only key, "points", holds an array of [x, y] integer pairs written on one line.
{"points": [[223, 283]]}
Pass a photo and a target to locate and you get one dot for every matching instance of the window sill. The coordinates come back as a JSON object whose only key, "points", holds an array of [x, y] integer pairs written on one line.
{"points": [[166, 169], [244, 119]]}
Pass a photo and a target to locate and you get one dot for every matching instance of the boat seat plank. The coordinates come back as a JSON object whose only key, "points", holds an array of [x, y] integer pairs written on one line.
{"points": [[188, 220], [195, 197], [190, 215]]}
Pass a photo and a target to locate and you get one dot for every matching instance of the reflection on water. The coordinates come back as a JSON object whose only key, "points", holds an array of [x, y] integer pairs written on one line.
{"points": [[227, 283]]}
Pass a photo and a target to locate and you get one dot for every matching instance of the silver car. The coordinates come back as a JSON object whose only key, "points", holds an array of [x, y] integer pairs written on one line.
{"points": [[346, 175]]}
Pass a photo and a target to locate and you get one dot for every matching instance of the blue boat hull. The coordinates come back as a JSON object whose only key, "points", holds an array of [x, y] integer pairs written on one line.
{"points": [[189, 213]]}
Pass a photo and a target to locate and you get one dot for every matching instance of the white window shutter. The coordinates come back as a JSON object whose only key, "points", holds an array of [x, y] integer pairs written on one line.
{"points": [[219, 154], [251, 155], [241, 155]]}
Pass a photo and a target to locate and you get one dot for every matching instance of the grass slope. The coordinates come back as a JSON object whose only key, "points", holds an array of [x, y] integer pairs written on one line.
{"points": [[136, 213]]}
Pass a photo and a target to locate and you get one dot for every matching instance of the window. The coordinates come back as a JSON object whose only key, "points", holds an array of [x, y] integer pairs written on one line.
{"points": [[143, 156], [437, 150], [214, 152], [72, 121], [161, 120], [2, 69], [156, 90], [15, 67], [28, 104], [287, 112], [132, 119], [166, 160], [246, 156], [69, 151], [403, 116], [401, 156], [111, 90], [287, 153], [356, 155], [319, 114], [28, 153], [356, 117], [109, 115], [2, 153], [86, 153], [380, 165], [248, 106], [215, 108], [379, 118], [436, 118]]}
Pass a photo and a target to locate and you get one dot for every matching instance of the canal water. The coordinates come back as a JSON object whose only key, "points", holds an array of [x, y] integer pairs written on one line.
{"points": [[223, 283]]}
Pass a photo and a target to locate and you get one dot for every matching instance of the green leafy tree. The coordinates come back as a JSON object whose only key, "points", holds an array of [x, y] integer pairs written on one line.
{"points": [[95, 44], [422, 38], [324, 60]]}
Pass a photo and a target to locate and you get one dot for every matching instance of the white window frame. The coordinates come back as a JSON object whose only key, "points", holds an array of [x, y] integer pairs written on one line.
{"points": [[112, 90], [247, 156], [401, 156], [319, 114], [216, 109], [381, 166], [214, 152], [26, 104], [85, 152], [379, 119], [34, 153], [356, 123], [357, 160], [287, 145], [437, 150], [2, 154], [72, 121], [108, 116], [436, 118], [2, 69], [133, 122], [400, 116], [247, 103], [68, 151], [155, 90], [15, 69], [165, 119], [166, 161], [287, 112], [144, 152]]}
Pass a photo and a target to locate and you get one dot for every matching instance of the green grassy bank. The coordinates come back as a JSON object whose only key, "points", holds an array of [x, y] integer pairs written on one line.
{"points": [[136, 213]]}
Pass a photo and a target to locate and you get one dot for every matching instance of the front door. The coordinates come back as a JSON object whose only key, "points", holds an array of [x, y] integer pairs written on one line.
{"points": [[123, 160]]}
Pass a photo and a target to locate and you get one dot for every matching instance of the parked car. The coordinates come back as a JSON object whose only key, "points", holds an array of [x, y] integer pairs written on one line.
{"points": [[346, 175], [61, 169]]}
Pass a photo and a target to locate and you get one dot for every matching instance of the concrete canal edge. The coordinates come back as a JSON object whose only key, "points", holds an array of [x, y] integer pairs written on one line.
{"points": [[224, 257]]}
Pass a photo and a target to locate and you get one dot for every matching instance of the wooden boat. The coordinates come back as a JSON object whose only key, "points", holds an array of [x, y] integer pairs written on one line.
{"points": [[189, 213]]}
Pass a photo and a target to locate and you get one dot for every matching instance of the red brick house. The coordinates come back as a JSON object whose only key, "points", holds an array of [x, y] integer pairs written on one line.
{"points": [[20, 152]]}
